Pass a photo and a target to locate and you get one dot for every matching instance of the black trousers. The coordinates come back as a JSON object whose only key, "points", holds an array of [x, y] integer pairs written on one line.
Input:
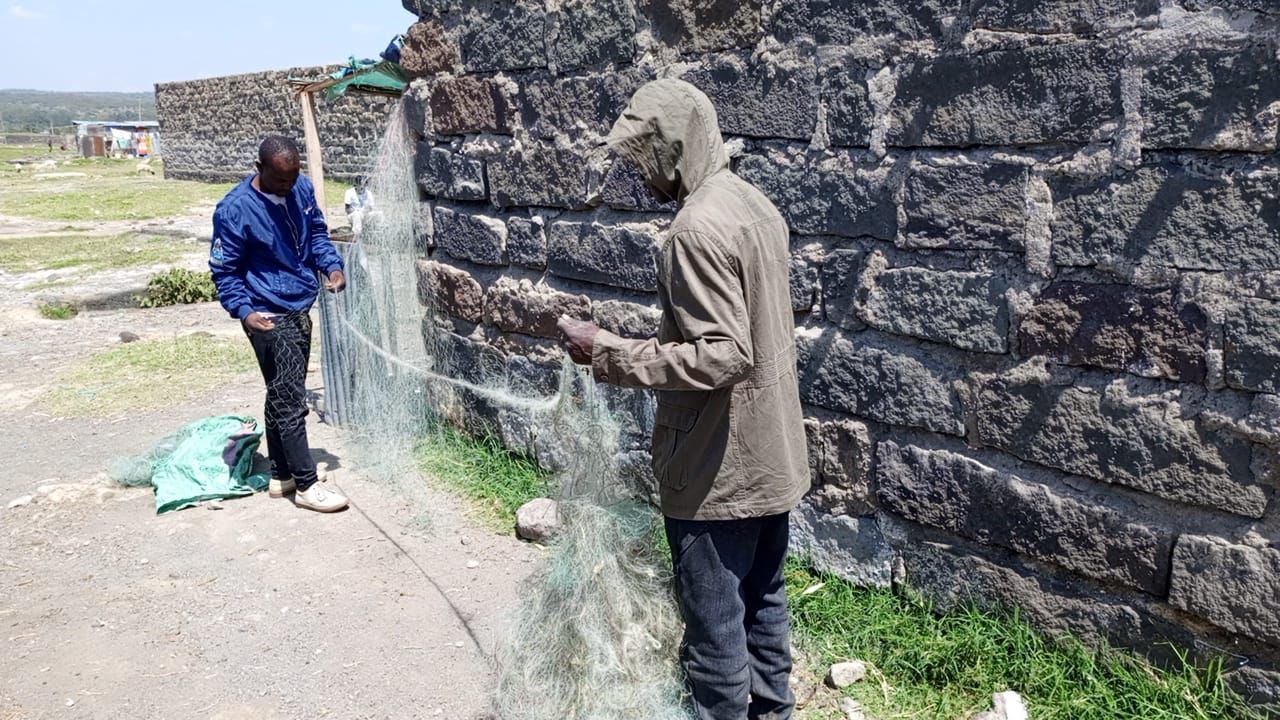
{"points": [[737, 648], [283, 354]]}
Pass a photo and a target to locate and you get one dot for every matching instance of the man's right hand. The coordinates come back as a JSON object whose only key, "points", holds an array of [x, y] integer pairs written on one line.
{"points": [[260, 322]]}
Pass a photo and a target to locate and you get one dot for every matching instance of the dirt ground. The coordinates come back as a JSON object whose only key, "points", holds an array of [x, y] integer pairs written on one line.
{"points": [[249, 609]]}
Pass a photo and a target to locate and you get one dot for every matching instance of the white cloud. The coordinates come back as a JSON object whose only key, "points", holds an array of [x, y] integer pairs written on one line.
{"points": [[23, 12]]}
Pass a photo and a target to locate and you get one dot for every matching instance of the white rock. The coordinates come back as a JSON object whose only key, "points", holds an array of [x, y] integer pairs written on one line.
{"points": [[852, 709], [1008, 705], [538, 519], [842, 675], [20, 501], [473, 564]]}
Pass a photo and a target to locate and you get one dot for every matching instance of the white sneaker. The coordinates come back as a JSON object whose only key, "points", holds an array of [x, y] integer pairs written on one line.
{"points": [[278, 487], [320, 498]]}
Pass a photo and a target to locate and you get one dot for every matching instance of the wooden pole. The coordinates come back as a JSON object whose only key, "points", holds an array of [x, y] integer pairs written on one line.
{"points": [[315, 156]]}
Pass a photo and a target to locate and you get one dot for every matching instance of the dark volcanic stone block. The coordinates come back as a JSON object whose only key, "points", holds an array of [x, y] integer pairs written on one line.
{"points": [[446, 174], [882, 380], [520, 306], [1165, 214], [623, 256], [1252, 346], [826, 195], [539, 176], [704, 25], [585, 33], [1217, 99], [1037, 95], [1117, 327], [1129, 432], [503, 35], [468, 236], [840, 22], [964, 309], [469, 104], [1232, 586], [776, 96], [850, 114], [950, 491], [527, 242], [966, 207]]}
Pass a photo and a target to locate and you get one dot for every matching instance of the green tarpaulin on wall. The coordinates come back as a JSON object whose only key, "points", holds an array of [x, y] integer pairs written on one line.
{"points": [[366, 76]]}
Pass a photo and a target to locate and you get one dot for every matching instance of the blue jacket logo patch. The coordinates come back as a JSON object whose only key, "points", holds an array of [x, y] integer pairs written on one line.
{"points": [[215, 253]]}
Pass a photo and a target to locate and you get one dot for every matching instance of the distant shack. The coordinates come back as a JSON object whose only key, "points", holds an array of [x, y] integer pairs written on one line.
{"points": [[124, 138]]}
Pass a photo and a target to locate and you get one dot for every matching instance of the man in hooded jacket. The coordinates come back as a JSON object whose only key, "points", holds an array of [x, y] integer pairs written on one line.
{"points": [[728, 444]]}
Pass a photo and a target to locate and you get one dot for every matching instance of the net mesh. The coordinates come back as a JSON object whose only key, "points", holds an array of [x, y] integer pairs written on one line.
{"points": [[596, 634]]}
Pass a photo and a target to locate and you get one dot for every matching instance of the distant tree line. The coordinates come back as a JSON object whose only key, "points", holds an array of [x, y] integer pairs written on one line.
{"points": [[35, 111]]}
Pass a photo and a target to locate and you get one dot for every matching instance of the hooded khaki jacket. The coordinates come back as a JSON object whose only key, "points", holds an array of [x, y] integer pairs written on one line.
{"points": [[729, 439]]}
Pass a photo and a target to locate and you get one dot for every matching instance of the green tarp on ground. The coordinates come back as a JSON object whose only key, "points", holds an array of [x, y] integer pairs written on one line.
{"points": [[208, 459]]}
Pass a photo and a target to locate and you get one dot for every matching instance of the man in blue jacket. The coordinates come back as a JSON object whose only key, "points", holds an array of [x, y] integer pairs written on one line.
{"points": [[269, 241]]}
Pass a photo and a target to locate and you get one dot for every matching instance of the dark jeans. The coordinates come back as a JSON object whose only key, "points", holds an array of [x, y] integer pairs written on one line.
{"points": [[737, 649], [283, 354]]}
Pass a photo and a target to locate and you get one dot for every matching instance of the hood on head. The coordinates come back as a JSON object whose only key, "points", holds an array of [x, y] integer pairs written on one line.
{"points": [[660, 113]]}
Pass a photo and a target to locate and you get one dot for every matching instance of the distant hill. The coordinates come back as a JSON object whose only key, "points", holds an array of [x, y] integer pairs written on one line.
{"points": [[35, 110]]}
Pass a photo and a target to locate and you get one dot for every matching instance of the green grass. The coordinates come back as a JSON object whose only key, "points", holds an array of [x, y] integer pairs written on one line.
{"points": [[148, 375], [107, 190], [57, 311], [496, 481], [89, 252], [945, 667]]}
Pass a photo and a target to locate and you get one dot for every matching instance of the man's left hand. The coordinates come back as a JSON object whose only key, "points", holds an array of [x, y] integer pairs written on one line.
{"points": [[579, 338], [336, 281]]}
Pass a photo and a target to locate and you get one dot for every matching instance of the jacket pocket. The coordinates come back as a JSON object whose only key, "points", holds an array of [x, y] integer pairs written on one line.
{"points": [[671, 427]]}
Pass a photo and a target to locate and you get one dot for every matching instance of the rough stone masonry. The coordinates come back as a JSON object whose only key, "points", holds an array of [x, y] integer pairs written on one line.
{"points": [[212, 127], [1036, 273]]}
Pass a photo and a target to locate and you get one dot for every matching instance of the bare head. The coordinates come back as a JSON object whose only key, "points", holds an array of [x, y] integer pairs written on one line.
{"points": [[279, 163]]}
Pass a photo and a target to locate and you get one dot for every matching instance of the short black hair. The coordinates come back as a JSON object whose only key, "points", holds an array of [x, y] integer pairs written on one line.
{"points": [[274, 146]]}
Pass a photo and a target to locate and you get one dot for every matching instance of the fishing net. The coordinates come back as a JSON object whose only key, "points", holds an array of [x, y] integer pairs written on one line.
{"points": [[597, 631]]}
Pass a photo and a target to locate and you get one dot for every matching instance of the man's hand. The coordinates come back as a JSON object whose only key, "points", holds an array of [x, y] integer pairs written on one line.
{"points": [[336, 281], [579, 338], [260, 322]]}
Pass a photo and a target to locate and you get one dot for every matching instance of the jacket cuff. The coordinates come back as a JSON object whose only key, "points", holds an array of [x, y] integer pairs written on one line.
{"points": [[244, 311], [602, 355], [330, 268]]}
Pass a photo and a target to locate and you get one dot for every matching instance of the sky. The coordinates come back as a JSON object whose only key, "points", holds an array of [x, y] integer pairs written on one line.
{"points": [[121, 46]]}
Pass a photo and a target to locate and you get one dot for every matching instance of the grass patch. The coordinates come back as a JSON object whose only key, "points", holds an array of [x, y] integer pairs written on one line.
{"points": [[944, 667], [147, 375], [108, 189], [178, 286], [89, 252], [495, 480], [58, 311]]}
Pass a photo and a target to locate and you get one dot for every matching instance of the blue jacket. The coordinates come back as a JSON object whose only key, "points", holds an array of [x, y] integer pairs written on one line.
{"points": [[264, 257]]}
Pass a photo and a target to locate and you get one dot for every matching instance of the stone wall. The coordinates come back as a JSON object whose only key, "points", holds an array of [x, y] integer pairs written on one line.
{"points": [[1036, 273], [211, 128]]}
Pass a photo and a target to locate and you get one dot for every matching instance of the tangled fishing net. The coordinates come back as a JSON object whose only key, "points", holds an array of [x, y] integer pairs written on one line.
{"points": [[597, 633]]}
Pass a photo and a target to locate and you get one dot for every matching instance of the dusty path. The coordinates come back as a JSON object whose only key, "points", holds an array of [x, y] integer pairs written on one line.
{"points": [[256, 610]]}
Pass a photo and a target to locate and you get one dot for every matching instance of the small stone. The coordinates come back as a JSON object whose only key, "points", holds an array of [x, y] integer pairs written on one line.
{"points": [[538, 519], [842, 675], [473, 564], [128, 337], [20, 501], [1008, 706], [852, 709]]}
